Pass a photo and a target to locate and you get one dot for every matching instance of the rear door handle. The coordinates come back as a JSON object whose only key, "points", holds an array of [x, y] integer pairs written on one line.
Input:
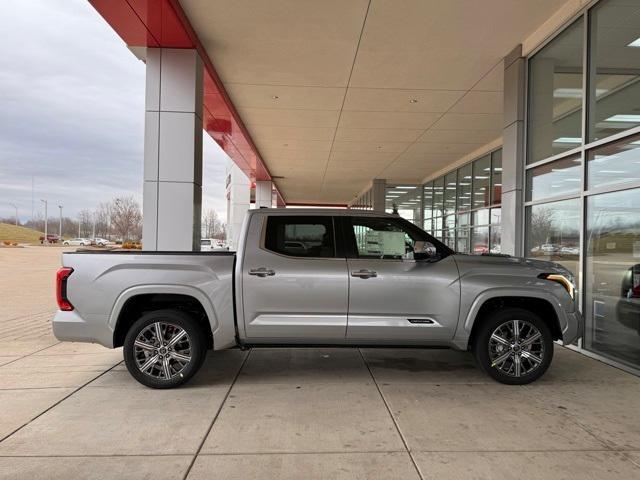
{"points": [[262, 272], [364, 273]]}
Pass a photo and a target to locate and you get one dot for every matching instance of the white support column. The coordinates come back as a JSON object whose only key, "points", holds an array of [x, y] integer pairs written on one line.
{"points": [[513, 153], [264, 194], [238, 202], [172, 195]]}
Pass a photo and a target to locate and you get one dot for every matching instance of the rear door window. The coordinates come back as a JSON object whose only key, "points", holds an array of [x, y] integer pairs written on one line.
{"points": [[300, 236]]}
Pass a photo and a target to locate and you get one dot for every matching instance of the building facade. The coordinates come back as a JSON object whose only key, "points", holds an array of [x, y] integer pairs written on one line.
{"points": [[577, 165]]}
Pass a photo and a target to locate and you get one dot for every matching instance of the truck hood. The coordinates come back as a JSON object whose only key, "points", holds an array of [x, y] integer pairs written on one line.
{"points": [[508, 263]]}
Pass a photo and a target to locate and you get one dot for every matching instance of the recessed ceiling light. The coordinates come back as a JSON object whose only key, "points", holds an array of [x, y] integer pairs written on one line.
{"points": [[635, 43], [413, 100], [568, 140]]}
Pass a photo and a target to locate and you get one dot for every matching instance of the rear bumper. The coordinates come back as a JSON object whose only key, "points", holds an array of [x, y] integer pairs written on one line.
{"points": [[70, 327], [573, 329]]}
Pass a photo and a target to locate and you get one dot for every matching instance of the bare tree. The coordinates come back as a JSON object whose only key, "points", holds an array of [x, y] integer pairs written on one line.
{"points": [[102, 217], [85, 220], [212, 226], [541, 226], [126, 218]]}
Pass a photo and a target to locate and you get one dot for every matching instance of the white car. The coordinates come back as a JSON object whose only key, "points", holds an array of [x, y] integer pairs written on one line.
{"points": [[77, 242], [101, 242]]}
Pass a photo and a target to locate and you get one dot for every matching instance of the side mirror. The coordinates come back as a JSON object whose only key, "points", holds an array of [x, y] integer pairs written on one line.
{"points": [[423, 250]]}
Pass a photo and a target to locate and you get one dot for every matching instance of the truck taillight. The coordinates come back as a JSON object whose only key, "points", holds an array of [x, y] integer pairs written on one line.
{"points": [[61, 289]]}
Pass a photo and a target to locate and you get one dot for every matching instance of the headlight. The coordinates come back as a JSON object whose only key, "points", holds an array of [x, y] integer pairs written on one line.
{"points": [[566, 280]]}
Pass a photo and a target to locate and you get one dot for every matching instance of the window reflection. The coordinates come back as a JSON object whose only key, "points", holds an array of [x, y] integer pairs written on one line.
{"points": [[480, 240], [482, 182], [450, 190], [428, 200], [464, 188], [553, 179], [612, 275], [616, 162], [404, 200], [496, 177], [555, 95], [553, 232], [614, 54]]}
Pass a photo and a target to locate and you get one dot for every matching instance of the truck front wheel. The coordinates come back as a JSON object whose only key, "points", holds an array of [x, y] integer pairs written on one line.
{"points": [[164, 349], [513, 346]]}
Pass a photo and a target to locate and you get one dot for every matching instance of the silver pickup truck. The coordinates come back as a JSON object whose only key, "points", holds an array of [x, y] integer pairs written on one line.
{"points": [[316, 277]]}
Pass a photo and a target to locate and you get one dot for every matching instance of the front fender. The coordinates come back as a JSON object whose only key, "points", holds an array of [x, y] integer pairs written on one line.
{"points": [[469, 314]]}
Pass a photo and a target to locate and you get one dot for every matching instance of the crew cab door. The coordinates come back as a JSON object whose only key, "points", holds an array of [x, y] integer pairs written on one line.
{"points": [[295, 283], [393, 297]]}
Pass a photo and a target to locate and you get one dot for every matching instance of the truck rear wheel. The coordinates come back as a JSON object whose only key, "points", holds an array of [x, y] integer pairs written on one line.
{"points": [[164, 349], [514, 346]]}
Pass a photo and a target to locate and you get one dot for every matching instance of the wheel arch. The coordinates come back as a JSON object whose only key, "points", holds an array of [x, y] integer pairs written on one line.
{"points": [[536, 302], [134, 302]]}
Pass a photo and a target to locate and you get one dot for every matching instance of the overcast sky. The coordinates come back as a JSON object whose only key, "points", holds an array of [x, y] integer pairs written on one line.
{"points": [[72, 112]]}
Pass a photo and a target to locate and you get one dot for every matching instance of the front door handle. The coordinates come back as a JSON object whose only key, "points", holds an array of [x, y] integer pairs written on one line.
{"points": [[262, 272], [364, 273]]}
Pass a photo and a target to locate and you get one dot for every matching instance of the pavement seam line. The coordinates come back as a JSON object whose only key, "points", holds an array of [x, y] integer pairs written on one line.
{"points": [[58, 402], [28, 355], [395, 423], [215, 417]]}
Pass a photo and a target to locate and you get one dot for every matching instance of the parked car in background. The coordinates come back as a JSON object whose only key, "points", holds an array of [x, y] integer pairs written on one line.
{"points": [[51, 238], [212, 245], [100, 242], [569, 251], [362, 278], [549, 248], [78, 242]]}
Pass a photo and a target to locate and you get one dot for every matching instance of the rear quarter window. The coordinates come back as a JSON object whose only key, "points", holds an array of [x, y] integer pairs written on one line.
{"points": [[300, 236]]}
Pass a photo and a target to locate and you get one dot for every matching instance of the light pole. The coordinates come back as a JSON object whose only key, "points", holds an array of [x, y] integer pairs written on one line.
{"points": [[46, 220], [16, 207], [60, 227]]}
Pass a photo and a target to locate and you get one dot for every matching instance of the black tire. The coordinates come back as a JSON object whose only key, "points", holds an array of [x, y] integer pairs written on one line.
{"points": [[170, 319], [481, 346]]}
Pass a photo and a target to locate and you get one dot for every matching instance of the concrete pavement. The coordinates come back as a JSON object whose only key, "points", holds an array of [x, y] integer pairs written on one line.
{"points": [[72, 410]]}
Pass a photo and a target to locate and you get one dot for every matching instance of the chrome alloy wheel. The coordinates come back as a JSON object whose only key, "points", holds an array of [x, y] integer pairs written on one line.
{"points": [[516, 348], [162, 350]]}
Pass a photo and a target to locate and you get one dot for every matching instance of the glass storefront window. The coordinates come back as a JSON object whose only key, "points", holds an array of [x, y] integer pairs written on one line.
{"points": [[482, 182], [612, 275], [450, 222], [553, 232], [481, 217], [438, 196], [561, 177], [463, 240], [450, 190], [461, 201], [428, 200], [480, 240], [405, 200], [616, 162], [449, 238], [496, 177], [495, 240], [464, 188], [555, 95], [614, 52], [496, 213]]}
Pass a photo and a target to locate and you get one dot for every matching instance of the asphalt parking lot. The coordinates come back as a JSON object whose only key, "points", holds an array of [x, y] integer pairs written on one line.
{"points": [[72, 411]]}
